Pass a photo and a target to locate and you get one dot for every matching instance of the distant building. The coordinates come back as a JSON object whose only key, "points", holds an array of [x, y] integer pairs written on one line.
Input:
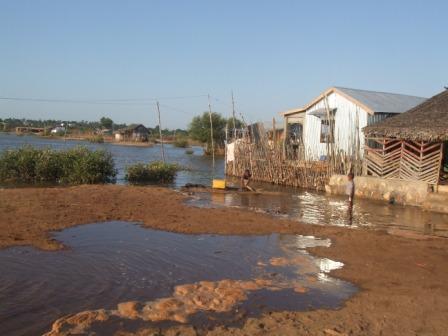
{"points": [[58, 130], [134, 132], [337, 117]]}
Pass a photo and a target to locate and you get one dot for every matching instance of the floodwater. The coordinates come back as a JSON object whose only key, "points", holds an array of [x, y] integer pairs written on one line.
{"points": [[310, 207], [108, 263], [198, 167]]}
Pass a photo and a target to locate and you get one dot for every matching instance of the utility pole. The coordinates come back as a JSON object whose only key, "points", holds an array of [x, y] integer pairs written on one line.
{"points": [[233, 118], [211, 134], [225, 151], [160, 132]]}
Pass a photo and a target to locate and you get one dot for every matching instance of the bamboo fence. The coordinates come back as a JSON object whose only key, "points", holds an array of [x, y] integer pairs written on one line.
{"points": [[275, 161]]}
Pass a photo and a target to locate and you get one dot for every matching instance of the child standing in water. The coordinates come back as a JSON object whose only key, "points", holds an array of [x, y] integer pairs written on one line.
{"points": [[350, 188], [350, 192]]}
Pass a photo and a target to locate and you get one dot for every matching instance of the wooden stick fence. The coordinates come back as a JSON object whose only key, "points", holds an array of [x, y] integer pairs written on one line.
{"points": [[274, 162]]}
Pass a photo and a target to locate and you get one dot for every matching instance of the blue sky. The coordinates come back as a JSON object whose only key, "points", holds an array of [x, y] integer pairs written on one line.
{"points": [[274, 55]]}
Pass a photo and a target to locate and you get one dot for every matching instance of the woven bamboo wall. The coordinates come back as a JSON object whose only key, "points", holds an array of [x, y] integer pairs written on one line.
{"points": [[406, 160]]}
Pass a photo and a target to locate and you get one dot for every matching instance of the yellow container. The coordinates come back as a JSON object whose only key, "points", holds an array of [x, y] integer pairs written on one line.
{"points": [[219, 184]]}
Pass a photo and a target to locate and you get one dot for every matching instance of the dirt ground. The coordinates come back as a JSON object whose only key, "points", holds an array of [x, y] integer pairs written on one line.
{"points": [[403, 281]]}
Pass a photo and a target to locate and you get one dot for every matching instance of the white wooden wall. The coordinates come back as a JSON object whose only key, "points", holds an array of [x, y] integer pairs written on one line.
{"points": [[348, 124]]}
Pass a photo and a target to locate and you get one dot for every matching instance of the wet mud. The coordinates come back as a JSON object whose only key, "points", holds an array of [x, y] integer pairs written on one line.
{"points": [[402, 279], [125, 261]]}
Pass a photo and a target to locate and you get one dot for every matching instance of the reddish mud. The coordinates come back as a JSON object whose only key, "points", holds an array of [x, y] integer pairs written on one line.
{"points": [[403, 281]]}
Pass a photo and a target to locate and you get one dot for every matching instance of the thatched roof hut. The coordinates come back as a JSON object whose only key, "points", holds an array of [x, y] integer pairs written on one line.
{"points": [[425, 122]]}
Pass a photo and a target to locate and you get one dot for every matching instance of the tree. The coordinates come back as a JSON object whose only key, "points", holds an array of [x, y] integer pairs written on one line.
{"points": [[106, 123], [199, 129]]}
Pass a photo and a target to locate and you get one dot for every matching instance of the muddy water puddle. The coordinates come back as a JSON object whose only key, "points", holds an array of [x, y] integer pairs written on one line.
{"points": [[122, 272]]}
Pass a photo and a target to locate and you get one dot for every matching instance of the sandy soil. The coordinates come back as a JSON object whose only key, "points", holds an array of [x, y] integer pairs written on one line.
{"points": [[403, 281]]}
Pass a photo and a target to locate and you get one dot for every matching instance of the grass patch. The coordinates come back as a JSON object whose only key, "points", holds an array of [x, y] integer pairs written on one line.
{"points": [[181, 142], [79, 165], [157, 171], [96, 139]]}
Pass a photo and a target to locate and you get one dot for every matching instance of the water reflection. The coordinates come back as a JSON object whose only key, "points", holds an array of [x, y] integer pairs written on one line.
{"points": [[110, 263], [311, 207]]}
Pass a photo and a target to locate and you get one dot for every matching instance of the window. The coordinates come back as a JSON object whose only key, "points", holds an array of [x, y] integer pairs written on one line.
{"points": [[326, 131]]}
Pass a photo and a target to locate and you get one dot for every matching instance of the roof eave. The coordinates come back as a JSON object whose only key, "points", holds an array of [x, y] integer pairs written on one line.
{"points": [[293, 111], [325, 94]]}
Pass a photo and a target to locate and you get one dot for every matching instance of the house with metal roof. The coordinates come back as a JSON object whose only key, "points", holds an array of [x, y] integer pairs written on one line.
{"points": [[334, 120]]}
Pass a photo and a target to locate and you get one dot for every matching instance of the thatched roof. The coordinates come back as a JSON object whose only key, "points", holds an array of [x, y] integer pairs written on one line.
{"points": [[425, 122]]}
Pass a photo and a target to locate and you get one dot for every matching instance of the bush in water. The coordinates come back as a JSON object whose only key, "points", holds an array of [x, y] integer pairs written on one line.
{"points": [[84, 166], [181, 142], [96, 139], [152, 172], [78, 165]]}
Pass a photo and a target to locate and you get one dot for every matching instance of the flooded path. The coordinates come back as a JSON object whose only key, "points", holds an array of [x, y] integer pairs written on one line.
{"points": [[108, 263], [313, 207]]}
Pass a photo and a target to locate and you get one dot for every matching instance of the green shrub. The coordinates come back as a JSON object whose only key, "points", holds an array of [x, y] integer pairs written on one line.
{"points": [[189, 151], [84, 166], [79, 165], [181, 142], [49, 167], [157, 171], [19, 165]]}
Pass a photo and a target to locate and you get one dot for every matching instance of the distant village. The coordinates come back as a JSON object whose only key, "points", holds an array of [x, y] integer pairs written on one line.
{"points": [[104, 129]]}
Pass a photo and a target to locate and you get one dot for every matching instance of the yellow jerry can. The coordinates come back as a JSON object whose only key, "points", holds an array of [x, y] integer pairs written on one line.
{"points": [[219, 184]]}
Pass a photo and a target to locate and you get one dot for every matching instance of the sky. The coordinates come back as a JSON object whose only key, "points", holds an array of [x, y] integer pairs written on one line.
{"points": [[115, 58]]}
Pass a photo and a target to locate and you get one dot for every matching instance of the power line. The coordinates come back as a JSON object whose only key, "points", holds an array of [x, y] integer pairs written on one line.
{"points": [[125, 101], [132, 101], [231, 106], [175, 109]]}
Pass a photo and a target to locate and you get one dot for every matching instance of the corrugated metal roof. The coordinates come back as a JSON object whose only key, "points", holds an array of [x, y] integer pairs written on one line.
{"points": [[383, 101]]}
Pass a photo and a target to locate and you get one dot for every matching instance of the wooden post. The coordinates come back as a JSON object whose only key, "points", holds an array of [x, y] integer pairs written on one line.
{"points": [[285, 136], [274, 133], [234, 134], [330, 147], [233, 118], [225, 153], [160, 132], [211, 135], [440, 170]]}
